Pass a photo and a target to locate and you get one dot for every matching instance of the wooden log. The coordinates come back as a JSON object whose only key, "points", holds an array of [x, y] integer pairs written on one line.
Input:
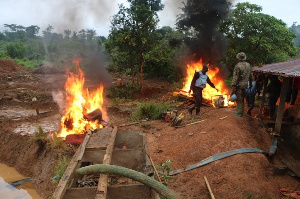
{"points": [[102, 183], [74, 164]]}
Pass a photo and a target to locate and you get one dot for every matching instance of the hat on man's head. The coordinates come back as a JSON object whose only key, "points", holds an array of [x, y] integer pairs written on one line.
{"points": [[241, 56]]}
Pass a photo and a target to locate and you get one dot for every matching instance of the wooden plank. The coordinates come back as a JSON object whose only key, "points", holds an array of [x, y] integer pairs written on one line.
{"points": [[74, 164], [263, 100], [135, 191], [99, 139], [102, 183], [94, 156], [280, 109], [84, 143], [293, 165]]}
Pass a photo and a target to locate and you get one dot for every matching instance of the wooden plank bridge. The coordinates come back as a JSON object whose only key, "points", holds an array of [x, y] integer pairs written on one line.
{"points": [[107, 146]]}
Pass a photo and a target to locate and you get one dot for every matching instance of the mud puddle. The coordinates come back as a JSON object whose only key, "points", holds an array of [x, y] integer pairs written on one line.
{"points": [[24, 191]]}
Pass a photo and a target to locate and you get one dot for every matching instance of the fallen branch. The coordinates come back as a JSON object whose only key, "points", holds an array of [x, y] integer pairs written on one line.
{"points": [[189, 124], [209, 189], [154, 168], [132, 123]]}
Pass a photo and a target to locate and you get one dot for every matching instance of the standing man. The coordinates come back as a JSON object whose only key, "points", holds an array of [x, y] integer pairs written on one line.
{"points": [[242, 74], [198, 83]]}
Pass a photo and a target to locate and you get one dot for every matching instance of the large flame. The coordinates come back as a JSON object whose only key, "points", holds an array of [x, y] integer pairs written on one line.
{"points": [[79, 102], [208, 93]]}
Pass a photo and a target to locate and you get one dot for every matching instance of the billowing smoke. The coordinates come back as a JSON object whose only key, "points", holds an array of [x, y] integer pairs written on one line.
{"points": [[76, 15], [58, 98], [201, 18]]}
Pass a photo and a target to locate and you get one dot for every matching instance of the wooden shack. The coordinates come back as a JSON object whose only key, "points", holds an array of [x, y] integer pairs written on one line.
{"points": [[289, 74]]}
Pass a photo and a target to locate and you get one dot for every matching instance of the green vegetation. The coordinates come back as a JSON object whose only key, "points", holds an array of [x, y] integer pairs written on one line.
{"points": [[262, 37], [137, 47], [39, 136], [164, 172], [123, 92], [60, 169], [151, 111]]}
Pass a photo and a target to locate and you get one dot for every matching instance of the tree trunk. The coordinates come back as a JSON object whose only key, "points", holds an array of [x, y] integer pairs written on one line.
{"points": [[142, 61]]}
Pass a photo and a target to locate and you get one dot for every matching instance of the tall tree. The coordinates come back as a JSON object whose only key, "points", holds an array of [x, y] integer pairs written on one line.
{"points": [[132, 33], [67, 32], [47, 33], [32, 31], [90, 34], [296, 30], [262, 37]]}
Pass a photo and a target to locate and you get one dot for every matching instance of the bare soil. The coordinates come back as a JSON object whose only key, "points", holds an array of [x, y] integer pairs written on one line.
{"points": [[248, 175]]}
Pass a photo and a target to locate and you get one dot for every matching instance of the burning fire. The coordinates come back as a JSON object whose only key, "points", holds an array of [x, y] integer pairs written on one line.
{"points": [[208, 93], [79, 103]]}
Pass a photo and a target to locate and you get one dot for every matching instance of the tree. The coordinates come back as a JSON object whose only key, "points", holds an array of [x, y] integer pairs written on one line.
{"points": [[32, 31], [90, 34], [132, 34], [296, 30], [262, 37], [162, 60], [67, 34], [47, 33], [82, 35]]}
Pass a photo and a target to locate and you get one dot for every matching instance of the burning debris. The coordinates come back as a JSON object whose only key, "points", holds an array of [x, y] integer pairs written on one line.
{"points": [[210, 95], [83, 109]]}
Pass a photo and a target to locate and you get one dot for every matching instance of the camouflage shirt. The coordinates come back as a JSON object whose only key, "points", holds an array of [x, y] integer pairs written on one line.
{"points": [[242, 73]]}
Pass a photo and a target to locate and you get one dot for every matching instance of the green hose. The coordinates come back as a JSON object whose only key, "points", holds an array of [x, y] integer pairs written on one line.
{"points": [[129, 173]]}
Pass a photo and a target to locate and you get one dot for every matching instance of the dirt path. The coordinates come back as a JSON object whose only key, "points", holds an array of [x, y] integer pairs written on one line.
{"points": [[240, 176]]}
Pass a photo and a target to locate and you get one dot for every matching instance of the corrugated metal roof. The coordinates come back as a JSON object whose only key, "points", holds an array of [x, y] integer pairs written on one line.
{"points": [[287, 69]]}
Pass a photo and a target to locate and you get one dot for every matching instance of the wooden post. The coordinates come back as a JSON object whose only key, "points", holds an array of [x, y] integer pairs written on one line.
{"points": [[280, 108], [264, 96], [102, 183]]}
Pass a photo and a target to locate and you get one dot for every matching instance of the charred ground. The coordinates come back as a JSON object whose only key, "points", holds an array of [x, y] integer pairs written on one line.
{"points": [[238, 176]]}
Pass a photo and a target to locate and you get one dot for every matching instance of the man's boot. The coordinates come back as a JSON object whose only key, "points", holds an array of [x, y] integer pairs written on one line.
{"points": [[191, 110], [197, 111], [239, 110]]}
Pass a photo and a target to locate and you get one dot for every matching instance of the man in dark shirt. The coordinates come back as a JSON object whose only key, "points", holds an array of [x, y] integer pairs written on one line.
{"points": [[198, 83]]}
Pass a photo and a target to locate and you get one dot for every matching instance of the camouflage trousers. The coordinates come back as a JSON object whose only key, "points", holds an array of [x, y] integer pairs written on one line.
{"points": [[241, 94]]}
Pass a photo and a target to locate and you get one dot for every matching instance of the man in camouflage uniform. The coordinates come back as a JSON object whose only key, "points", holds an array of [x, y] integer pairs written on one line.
{"points": [[242, 74]]}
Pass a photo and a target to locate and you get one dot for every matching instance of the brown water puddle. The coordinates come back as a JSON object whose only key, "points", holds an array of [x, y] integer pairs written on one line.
{"points": [[9, 175]]}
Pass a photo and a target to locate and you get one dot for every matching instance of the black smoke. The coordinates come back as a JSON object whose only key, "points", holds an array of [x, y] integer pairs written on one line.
{"points": [[200, 19]]}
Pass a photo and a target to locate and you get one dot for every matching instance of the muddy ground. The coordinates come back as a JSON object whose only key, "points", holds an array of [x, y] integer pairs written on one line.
{"points": [[240, 176]]}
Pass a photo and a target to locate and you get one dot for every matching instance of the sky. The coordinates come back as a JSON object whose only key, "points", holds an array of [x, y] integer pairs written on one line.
{"points": [[96, 14]]}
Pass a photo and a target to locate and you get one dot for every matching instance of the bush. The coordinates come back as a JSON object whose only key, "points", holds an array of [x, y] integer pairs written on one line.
{"points": [[124, 92], [149, 111], [16, 50]]}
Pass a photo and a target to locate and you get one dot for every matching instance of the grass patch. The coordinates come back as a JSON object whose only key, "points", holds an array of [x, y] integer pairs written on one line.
{"points": [[39, 136], [29, 64], [60, 169], [151, 111]]}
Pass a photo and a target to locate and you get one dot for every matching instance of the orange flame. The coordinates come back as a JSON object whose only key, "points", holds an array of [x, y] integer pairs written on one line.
{"points": [[208, 93], [79, 102]]}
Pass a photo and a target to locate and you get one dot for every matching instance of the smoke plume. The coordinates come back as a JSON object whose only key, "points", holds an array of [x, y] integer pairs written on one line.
{"points": [[201, 18]]}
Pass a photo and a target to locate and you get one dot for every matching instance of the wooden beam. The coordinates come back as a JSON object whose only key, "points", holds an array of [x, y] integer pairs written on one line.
{"points": [[263, 100], [280, 108], [74, 164], [102, 183]]}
